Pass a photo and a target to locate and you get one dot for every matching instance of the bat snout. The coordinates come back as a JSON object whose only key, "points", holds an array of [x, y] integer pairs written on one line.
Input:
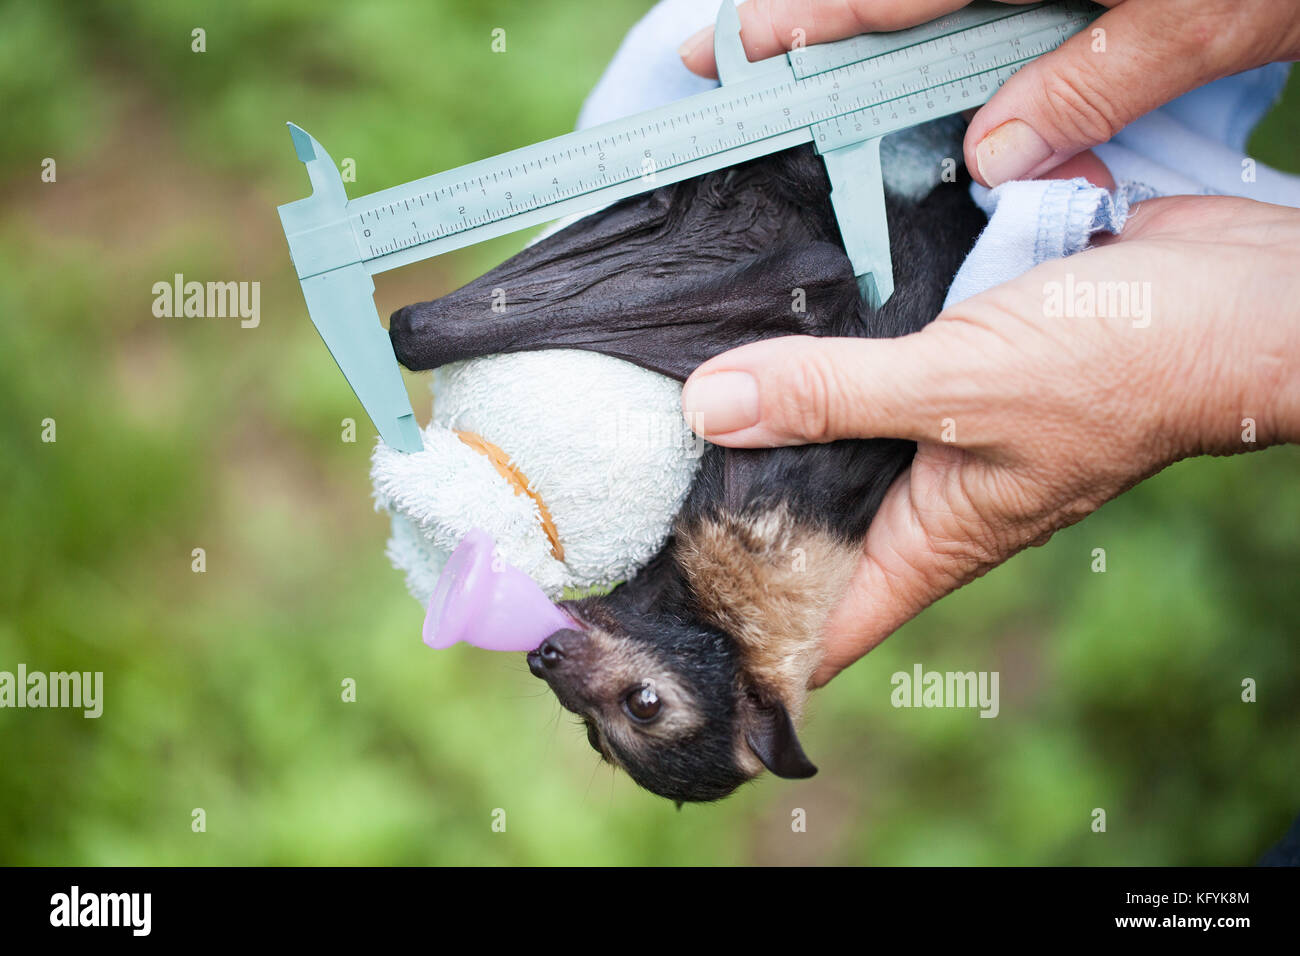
{"points": [[563, 660], [562, 650]]}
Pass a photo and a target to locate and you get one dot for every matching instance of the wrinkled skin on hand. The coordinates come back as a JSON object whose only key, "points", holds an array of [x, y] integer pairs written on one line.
{"points": [[1051, 415]]}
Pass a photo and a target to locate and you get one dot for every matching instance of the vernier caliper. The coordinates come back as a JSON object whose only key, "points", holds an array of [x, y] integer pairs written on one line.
{"points": [[842, 97]]}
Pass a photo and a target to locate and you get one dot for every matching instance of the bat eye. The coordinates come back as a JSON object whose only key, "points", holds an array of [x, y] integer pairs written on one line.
{"points": [[643, 704]]}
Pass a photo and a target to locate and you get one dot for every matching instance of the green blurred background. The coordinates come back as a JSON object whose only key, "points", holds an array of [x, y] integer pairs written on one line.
{"points": [[222, 689]]}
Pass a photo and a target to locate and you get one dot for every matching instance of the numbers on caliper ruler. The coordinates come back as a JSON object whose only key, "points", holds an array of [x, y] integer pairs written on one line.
{"points": [[935, 95], [879, 95], [580, 163], [977, 21]]}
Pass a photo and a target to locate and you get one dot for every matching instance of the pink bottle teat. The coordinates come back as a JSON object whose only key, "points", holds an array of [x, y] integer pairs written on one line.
{"points": [[498, 609]]}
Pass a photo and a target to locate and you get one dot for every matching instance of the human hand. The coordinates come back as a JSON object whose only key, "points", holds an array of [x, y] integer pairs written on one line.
{"points": [[1066, 101], [1029, 416]]}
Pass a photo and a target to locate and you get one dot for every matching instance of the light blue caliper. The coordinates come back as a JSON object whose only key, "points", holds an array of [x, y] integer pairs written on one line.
{"points": [[842, 97]]}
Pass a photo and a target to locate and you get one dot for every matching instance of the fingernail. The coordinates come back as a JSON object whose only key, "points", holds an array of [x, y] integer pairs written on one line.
{"points": [[1010, 152], [693, 41], [721, 402]]}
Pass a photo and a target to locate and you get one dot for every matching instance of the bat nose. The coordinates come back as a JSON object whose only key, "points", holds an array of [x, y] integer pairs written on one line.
{"points": [[545, 658], [553, 651]]}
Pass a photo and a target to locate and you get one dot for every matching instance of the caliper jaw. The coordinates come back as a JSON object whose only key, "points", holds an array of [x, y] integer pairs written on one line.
{"points": [[858, 197], [340, 296]]}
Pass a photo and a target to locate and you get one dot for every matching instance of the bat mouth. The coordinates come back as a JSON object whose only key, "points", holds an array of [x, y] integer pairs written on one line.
{"points": [[535, 665]]}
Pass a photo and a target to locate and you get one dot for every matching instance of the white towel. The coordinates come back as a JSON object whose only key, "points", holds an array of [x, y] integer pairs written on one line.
{"points": [[601, 442]]}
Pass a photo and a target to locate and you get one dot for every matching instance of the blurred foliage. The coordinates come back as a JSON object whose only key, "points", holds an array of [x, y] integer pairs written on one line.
{"points": [[222, 689]]}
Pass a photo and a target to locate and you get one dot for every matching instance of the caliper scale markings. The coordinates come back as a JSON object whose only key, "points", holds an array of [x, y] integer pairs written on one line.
{"points": [[962, 66]]}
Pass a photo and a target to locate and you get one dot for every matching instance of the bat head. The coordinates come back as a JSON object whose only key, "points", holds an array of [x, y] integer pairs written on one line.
{"points": [[669, 700]]}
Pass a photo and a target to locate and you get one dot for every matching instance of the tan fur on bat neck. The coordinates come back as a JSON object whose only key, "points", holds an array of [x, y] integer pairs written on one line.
{"points": [[770, 583]]}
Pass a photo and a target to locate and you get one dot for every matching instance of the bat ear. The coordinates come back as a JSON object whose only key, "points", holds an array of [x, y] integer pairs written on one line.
{"points": [[770, 733]]}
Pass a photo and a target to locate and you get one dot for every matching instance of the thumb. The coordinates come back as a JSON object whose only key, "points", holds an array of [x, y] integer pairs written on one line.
{"points": [[1134, 58], [769, 27], [797, 390]]}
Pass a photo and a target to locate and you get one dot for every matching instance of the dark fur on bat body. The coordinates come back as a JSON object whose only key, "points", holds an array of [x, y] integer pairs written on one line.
{"points": [[693, 675]]}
